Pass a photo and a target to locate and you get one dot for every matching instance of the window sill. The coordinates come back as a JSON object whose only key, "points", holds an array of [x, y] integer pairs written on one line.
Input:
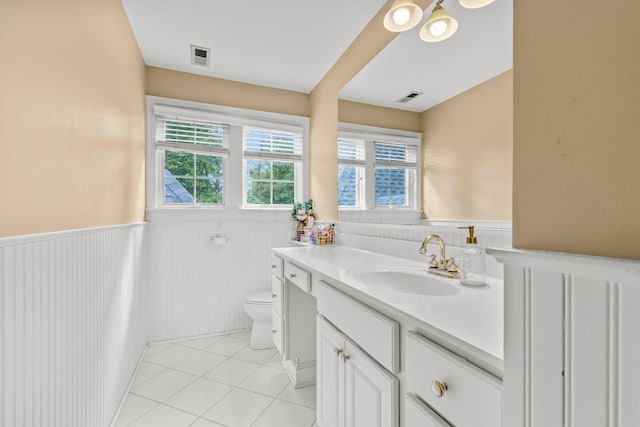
{"points": [[381, 215], [192, 213]]}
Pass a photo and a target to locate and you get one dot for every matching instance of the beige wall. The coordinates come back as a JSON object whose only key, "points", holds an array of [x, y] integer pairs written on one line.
{"points": [[371, 115], [467, 154], [194, 87], [71, 116], [577, 127]]}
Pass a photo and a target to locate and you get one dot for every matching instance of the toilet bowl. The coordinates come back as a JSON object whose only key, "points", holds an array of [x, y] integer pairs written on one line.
{"points": [[258, 308]]}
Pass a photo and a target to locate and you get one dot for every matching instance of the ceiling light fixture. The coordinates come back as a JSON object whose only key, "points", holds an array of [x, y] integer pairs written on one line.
{"points": [[440, 26], [475, 4], [403, 15]]}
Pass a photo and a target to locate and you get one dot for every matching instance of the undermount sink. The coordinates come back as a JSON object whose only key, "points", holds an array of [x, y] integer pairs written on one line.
{"points": [[402, 280]]}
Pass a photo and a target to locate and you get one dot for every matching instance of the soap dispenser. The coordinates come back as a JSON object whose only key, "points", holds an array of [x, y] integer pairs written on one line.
{"points": [[472, 269]]}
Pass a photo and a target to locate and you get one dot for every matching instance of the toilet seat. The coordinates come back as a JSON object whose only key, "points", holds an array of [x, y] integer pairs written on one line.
{"points": [[261, 298]]}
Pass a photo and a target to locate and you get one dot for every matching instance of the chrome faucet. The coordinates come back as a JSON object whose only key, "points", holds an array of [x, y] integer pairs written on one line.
{"points": [[445, 267]]}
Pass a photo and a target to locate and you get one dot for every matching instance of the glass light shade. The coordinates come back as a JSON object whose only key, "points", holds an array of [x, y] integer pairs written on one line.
{"points": [[440, 26], [475, 4], [402, 16]]}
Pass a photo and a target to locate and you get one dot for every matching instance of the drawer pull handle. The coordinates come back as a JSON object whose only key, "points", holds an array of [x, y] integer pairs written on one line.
{"points": [[345, 357], [292, 275], [438, 388], [338, 351]]}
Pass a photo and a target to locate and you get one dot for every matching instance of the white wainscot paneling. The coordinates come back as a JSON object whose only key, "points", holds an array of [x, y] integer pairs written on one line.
{"points": [[197, 287], [571, 340], [72, 325]]}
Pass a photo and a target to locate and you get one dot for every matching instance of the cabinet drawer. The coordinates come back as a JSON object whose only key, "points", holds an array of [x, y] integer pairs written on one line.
{"points": [[417, 413], [277, 327], [277, 292], [297, 276], [472, 397], [373, 332], [276, 266]]}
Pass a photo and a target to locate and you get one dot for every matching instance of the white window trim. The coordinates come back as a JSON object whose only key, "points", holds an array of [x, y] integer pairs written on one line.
{"points": [[379, 134], [233, 166]]}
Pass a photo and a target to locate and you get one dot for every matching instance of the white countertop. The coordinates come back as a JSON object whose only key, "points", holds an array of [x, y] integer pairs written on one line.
{"points": [[473, 315]]}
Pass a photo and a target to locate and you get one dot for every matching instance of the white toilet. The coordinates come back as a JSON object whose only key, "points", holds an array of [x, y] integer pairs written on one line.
{"points": [[258, 308]]}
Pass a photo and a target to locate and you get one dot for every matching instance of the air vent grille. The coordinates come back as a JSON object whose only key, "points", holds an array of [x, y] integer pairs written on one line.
{"points": [[410, 96], [200, 56]]}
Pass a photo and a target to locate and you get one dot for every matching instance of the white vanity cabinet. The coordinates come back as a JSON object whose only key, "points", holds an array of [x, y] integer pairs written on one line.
{"points": [[353, 390], [293, 321]]}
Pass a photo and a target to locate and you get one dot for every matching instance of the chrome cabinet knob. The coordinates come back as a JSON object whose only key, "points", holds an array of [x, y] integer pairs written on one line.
{"points": [[438, 388], [274, 331], [273, 266], [292, 275], [274, 295]]}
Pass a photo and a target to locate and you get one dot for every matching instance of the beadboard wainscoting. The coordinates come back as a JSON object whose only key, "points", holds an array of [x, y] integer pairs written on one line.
{"points": [[198, 286], [571, 340], [72, 324]]}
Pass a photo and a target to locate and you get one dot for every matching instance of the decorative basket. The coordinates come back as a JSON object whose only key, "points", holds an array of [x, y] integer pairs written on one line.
{"points": [[322, 234]]}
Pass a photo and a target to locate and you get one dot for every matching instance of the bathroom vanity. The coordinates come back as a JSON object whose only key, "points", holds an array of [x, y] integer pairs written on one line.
{"points": [[388, 344]]}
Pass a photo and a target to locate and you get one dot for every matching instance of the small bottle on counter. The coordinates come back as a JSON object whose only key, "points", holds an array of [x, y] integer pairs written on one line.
{"points": [[472, 268]]}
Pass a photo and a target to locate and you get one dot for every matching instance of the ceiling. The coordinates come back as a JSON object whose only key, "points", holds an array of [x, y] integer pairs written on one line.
{"points": [[291, 44]]}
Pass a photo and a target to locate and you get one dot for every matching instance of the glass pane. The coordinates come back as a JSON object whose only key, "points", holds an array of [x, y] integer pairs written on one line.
{"points": [[258, 169], [209, 166], [347, 186], [258, 193], [209, 135], [177, 190], [178, 132], [209, 191], [179, 164], [283, 171], [391, 189], [283, 193]]}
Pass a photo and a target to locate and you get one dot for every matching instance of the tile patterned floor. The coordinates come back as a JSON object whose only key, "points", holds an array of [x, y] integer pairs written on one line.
{"points": [[213, 382]]}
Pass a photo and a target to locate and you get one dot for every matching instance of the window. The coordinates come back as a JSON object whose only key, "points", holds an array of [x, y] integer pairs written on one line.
{"points": [[351, 161], [192, 154], [272, 162], [377, 168], [395, 169], [201, 155]]}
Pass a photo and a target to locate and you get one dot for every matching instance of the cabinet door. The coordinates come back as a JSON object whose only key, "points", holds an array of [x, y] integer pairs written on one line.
{"points": [[330, 371], [371, 392]]}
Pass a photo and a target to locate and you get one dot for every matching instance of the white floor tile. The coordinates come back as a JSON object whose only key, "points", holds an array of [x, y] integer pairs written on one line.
{"points": [[275, 361], [302, 396], [256, 356], [200, 362], [164, 416], [134, 407], [232, 371], [285, 414], [154, 348], [200, 343], [171, 355], [266, 380], [198, 396], [201, 422], [163, 385], [146, 371], [227, 346], [244, 335], [239, 408]]}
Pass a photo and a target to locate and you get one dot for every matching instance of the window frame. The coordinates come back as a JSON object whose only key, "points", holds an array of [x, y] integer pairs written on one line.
{"points": [[234, 162], [372, 135]]}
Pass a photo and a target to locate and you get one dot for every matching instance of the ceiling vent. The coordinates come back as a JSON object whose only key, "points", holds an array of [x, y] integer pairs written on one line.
{"points": [[200, 56], [410, 96]]}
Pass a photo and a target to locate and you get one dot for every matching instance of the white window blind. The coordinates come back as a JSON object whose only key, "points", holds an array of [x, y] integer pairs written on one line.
{"points": [[351, 151], [272, 144], [395, 155], [175, 133]]}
